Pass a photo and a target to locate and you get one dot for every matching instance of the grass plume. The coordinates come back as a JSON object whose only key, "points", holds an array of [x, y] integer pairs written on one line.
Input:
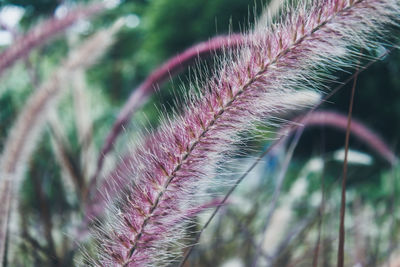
{"points": [[26, 131], [175, 164], [159, 76]]}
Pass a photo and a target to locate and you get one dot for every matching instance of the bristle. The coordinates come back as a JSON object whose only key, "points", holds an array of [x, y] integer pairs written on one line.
{"points": [[140, 94], [318, 34]]}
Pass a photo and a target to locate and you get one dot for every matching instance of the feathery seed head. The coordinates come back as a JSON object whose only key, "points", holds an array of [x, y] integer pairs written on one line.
{"points": [[174, 165]]}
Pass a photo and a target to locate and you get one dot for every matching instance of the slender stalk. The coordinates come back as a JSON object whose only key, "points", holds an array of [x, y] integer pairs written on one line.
{"points": [[340, 262], [321, 212]]}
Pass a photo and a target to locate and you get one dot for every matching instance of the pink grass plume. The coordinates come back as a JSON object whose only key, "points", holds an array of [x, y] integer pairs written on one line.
{"points": [[159, 76], [174, 166]]}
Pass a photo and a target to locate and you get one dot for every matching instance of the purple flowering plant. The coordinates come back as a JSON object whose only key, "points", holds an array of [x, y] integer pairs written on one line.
{"points": [[151, 205]]}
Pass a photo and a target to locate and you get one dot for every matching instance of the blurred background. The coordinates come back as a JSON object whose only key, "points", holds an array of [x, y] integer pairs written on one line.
{"points": [[278, 216]]}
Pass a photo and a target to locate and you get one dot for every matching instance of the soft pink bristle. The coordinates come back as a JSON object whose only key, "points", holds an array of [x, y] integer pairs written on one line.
{"points": [[174, 164]]}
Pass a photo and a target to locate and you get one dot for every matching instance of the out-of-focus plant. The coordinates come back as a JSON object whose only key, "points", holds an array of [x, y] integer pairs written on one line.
{"points": [[147, 203]]}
